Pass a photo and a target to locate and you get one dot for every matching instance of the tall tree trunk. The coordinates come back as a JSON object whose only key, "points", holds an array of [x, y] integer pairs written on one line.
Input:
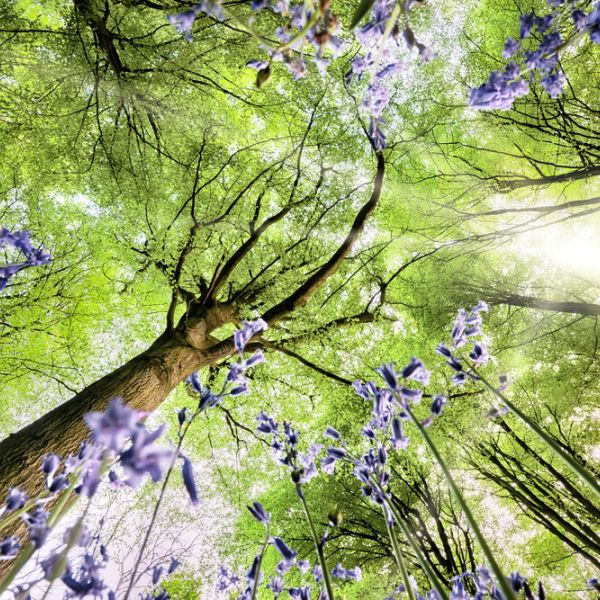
{"points": [[578, 308], [143, 383]]}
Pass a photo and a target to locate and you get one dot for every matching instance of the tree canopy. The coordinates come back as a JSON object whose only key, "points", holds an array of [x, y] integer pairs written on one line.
{"points": [[182, 193]]}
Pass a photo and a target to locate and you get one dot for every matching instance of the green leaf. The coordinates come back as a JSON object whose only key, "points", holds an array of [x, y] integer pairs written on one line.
{"points": [[363, 8]]}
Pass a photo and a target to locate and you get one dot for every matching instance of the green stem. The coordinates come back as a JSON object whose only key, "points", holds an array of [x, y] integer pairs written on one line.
{"points": [[577, 468], [502, 581], [57, 513], [399, 559], [434, 579], [140, 555], [264, 41], [386, 34], [317, 543], [260, 558]]}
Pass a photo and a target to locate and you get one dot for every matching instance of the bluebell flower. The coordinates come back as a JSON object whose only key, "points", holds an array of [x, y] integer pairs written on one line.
{"points": [[554, 83], [112, 428], [37, 525], [332, 433], [143, 456], [183, 22], [259, 65], [249, 328], [253, 572], [437, 404], [173, 565], [227, 580], [90, 476], [399, 441], [276, 585], [527, 23], [50, 463], [517, 581], [15, 499], [187, 473], [57, 484], [389, 375], [9, 548], [416, 371], [259, 513], [86, 581], [299, 593], [287, 554], [510, 48], [479, 355]]}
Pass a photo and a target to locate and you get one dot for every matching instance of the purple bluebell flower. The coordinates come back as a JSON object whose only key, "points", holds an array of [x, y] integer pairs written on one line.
{"points": [[227, 580], [399, 441], [37, 525], [156, 574], [114, 426], [187, 472], [50, 463], [286, 553], [259, 513], [554, 83], [544, 23], [510, 48], [259, 65], [9, 548], [517, 581], [255, 359], [57, 484], [332, 433], [181, 416], [527, 23], [299, 593], [173, 565], [143, 456], [339, 571], [479, 355], [253, 572], [304, 566], [183, 22], [416, 371], [500, 91], [90, 476], [15, 499], [276, 585], [579, 19], [437, 404], [389, 375], [249, 328]]}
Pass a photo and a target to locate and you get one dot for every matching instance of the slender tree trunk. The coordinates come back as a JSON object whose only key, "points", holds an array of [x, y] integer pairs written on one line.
{"points": [[578, 308]]}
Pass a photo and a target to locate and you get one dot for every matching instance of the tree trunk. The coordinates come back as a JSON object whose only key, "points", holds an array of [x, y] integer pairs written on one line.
{"points": [[143, 383], [578, 308]]}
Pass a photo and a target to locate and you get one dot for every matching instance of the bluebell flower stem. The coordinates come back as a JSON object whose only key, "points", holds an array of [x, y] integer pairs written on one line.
{"points": [[577, 469], [163, 489], [503, 583], [384, 38], [433, 578], [260, 558], [58, 512], [399, 560], [317, 544], [14, 515]]}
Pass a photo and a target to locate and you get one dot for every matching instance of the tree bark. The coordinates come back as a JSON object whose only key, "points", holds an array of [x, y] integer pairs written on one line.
{"points": [[578, 308], [143, 383]]}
